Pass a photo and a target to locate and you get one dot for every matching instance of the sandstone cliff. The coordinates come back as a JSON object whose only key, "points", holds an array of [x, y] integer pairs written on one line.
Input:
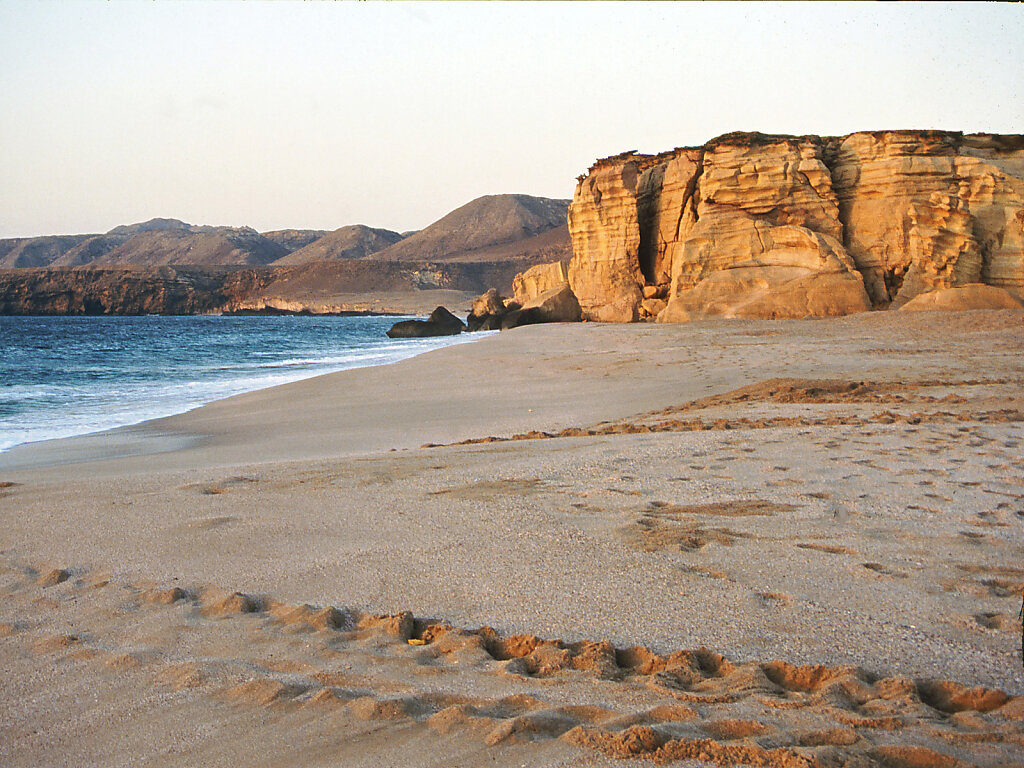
{"points": [[751, 225]]}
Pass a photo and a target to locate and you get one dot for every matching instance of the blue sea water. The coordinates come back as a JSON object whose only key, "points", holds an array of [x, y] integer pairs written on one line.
{"points": [[64, 376]]}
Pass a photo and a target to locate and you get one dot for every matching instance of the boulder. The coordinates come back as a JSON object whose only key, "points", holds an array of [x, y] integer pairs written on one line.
{"points": [[490, 303], [518, 317], [558, 305], [440, 323], [486, 311], [528, 285], [489, 323]]}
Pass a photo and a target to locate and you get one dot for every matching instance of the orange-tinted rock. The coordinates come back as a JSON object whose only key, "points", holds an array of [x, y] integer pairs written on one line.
{"points": [[971, 296], [557, 305], [539, 279], [605, 270], [766, 237], [782, 226], [927, 210]]}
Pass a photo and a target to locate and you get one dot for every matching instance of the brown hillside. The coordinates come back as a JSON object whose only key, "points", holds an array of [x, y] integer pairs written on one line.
{"points": [[294, 239], [196, 245], [483, 224], [352, 242]]}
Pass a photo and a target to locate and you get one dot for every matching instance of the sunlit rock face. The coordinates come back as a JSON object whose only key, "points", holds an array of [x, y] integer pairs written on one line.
{"points": [[528, 285], [926, 210], [751, 225]]}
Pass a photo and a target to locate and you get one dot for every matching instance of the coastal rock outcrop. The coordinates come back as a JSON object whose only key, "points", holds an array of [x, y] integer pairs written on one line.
{"points": [[604, 226], [751, 225], [926, 210], [557, 304], [161, 290], [487, 311], [440, 323]]}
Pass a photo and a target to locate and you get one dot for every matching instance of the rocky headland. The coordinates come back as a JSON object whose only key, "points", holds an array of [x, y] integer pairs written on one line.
{"points": [[747, 225], [166, 266]]}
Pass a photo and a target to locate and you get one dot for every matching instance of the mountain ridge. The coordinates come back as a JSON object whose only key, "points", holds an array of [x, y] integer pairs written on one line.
{"points": [[483, 229]]}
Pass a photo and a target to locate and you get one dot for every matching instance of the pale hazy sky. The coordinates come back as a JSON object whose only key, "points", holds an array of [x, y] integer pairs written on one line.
{"points": [[317, 115]]}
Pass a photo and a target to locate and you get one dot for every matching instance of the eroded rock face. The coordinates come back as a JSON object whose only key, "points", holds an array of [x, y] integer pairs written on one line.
{"points": [[927, 210], [528, 285], [605, 229], [160, 290], [780, 226]]}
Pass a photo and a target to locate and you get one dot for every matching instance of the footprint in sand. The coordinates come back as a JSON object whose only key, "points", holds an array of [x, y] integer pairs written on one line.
{"points": [[882, 569], [54, 577], [994, 620], [209, 523], [828, 548], [224, 486]]}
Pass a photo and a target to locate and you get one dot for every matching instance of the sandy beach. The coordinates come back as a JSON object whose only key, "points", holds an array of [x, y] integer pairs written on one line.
{"points": [[778, 543]]}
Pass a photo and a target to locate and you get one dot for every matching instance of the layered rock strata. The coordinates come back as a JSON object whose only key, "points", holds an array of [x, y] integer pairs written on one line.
{"points": [[751, 225], [162, 290]]}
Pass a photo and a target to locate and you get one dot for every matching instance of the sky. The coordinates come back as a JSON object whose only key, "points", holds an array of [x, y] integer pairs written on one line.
{"points": [[317, 115]]}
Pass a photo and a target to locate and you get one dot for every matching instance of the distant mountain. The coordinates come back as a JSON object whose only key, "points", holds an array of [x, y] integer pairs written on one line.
{"points": [[492, 228], [294, 239], [352, 242], [149, 226], [502, 222], [151, 243], [89, 251], [195, 245], [20, 252]]}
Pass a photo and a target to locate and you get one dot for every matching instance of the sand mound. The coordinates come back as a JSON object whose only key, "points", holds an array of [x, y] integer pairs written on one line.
{"points": [[963, 297]]}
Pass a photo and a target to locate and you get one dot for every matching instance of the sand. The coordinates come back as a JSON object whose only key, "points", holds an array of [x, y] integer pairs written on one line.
{"points": [[735, 542]]}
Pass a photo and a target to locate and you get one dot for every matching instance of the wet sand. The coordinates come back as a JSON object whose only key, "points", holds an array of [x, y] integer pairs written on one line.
{"points": [[744, 542]]}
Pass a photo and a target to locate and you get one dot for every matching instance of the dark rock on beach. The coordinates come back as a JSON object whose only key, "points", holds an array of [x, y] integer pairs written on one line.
{"points": [[440, 323]]}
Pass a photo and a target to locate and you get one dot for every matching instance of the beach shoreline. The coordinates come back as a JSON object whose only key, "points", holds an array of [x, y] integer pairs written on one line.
{"points": [[842, 492], [126, 432]]}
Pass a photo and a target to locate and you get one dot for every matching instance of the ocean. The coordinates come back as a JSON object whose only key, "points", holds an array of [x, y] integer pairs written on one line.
{"points": [[64, 376]]}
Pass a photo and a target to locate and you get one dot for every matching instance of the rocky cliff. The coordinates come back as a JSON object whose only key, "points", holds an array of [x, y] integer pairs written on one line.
{"points": [[751, 225], [316, 287], [162, 290]]}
